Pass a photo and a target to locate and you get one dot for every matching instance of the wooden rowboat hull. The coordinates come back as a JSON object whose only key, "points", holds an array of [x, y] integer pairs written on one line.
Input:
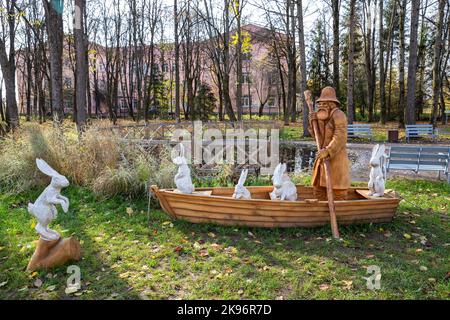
{"points": [[216, 206]]}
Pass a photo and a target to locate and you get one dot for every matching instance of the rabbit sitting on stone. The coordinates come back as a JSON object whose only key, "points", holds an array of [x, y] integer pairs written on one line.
{"points": [[284, 188], [378, 171], [241, 192], [183, 179], [44, 207]]}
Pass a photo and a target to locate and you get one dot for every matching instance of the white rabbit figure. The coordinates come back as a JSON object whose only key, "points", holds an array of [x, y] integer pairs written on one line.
{"points": [[241, 192], [183, 179], [44, 208], [378, 171], [283, 187]]}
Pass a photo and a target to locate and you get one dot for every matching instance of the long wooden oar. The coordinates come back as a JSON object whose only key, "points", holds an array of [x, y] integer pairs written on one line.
{"points": [[326, 162]]}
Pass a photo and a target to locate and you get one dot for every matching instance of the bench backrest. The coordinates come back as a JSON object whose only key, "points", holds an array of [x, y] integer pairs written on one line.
{"points": [[419, 129], [425, 157], [355, 129]]}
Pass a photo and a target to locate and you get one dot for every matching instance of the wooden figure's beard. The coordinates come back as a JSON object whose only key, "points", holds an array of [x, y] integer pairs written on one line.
{"points": [[323, 114]]}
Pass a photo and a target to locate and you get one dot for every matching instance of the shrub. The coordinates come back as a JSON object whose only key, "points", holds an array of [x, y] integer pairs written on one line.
{"points": [[97, 160]]}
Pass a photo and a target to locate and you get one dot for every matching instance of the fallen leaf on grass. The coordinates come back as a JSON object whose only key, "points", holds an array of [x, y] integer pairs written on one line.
{"points": [[324, 287], [179, 249], [204, 253], [212, 235], [129, 211], [38, 283], [407, 236], [423, 268], [51, 288], [251, 234], [3, 284], [348, 284]]}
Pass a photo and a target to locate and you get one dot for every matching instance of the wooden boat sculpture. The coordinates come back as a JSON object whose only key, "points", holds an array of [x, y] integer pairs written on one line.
{"points": [[215, 205]]}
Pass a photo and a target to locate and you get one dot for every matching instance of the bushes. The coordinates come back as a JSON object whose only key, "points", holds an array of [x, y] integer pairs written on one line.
{"points": [[97, 160]]}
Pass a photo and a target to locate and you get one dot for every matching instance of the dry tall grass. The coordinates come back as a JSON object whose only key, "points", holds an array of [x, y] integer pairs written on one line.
{"points": [[97, 160]]}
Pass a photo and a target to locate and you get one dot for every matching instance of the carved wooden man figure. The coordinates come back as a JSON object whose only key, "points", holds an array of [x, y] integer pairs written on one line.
{"points": [[332, 125]]}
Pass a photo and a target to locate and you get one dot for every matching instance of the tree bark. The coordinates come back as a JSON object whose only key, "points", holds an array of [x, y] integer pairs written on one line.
{"points": [[301, 48], [237, 9], [437, 56], [54, 21], [382, 70], [412, 67], [81, 69], [8, 68], [401, 65], [177, 62], [335, 8], [351, 54]]}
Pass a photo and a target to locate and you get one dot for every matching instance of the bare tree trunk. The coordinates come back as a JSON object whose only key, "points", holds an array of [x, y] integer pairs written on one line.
{"points": [[437, 57], [412, 67], [81, 69], [226, 62], [177, 62], [301, 45], [237, 11], [335, 4], [8, 66], [382, 70], [351, 54], [54, 21], [2, 112], [401, 65]]}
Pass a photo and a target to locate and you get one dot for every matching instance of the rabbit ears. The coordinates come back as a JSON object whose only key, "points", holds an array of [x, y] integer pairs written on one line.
{"points": [[181, 150], [46, 169], [243, 177], [280, 169], [378, 151]]}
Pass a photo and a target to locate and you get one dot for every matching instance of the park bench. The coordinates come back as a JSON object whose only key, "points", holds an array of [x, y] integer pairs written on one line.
{"points": [[359, 131], [419, 159], [447, 113], [420, 130]]}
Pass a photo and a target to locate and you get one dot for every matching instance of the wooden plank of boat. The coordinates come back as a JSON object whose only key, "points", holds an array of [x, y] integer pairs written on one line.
{"points": [[215, 205]]}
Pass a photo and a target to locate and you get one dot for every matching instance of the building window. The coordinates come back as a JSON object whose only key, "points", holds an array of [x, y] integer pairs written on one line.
{"points": [[246, 77], [245, 101], [165, 67]]}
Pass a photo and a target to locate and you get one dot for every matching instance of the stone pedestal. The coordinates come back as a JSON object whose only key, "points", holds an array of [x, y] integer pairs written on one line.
{"points": [[51, 254]]}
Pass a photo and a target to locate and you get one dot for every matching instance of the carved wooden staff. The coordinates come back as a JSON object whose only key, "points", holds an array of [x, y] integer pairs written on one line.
{"points": [[326, 162]]}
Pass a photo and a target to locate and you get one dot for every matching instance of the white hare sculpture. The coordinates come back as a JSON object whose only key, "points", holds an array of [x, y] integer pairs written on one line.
{"points": [[183, 179], [241, 192], [284, 188], [378, 171], [44, 207]]}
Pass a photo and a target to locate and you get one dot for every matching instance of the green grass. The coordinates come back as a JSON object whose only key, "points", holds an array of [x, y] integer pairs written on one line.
{"points": [[133, 256]]}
